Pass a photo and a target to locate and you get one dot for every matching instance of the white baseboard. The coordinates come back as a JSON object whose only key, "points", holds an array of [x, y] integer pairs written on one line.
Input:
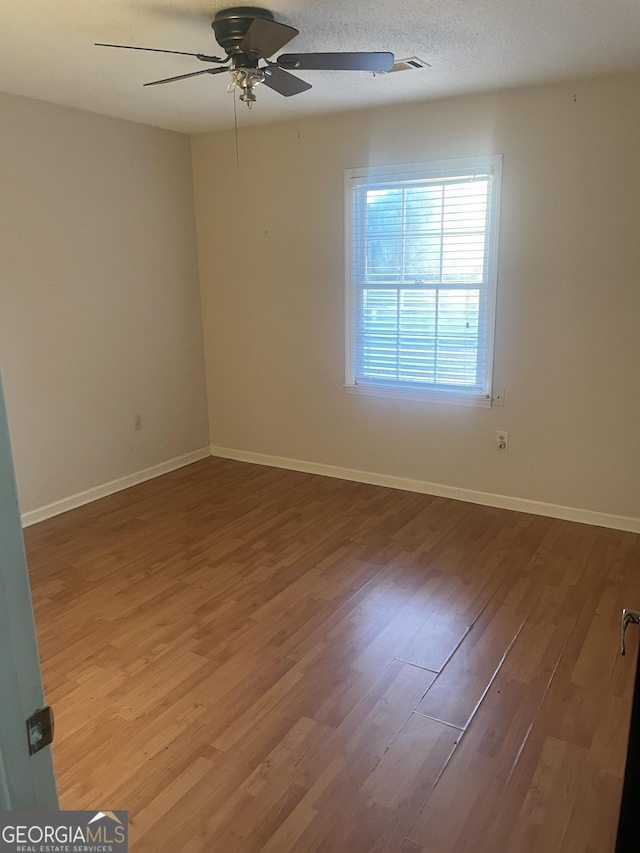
{"points": [[567, 513], [118, 485], [584, 516]]}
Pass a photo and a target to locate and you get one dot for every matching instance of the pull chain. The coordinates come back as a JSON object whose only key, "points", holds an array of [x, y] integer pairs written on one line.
{"points": [[235, 125]]}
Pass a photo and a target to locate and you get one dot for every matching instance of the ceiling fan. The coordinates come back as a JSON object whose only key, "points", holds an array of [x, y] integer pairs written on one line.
{"points": [[250, 36]]}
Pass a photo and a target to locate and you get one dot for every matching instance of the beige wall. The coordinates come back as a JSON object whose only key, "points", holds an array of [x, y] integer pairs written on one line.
{"points": [[99, 303], [271, 249]]}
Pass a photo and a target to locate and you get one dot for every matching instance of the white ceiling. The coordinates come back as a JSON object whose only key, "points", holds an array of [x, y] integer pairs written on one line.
{"points": [[47, 52]]}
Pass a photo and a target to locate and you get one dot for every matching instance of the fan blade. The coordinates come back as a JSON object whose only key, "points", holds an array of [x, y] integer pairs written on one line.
{"points": [[201, 56], [184, 76], [377, 61], [266, 37], [284, 83]]}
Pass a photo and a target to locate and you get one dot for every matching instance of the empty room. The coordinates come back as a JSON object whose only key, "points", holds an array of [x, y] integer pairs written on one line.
{"points": [[319, 471]]}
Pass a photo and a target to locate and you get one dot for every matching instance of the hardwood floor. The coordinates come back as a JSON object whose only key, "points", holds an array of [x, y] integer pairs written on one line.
{"points": [[251, 659]]}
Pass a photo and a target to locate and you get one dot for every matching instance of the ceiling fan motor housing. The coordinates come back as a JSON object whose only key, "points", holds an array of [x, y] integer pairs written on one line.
{"points": [[230, 26]]}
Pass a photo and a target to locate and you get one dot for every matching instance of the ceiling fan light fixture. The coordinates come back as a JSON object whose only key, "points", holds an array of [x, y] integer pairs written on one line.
{"points": [[246, 79]]}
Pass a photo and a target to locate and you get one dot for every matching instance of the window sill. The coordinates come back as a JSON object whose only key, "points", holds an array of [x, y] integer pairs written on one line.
{"points": [[427, 396]]}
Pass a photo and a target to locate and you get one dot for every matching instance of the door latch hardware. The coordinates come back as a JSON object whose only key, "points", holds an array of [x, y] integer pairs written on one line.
{"points": [[629, 617]]}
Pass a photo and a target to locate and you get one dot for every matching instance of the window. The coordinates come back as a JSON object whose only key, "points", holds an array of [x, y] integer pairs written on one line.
{"points": [[421, 270]]}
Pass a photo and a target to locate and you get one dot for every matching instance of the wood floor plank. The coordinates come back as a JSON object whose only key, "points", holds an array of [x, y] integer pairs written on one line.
{"points": [[460, 687], [500, 748], [412, 764], [252, 659]]}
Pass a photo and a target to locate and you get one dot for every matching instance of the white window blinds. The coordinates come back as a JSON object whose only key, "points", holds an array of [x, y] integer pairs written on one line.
{"points": [[422, 275]]}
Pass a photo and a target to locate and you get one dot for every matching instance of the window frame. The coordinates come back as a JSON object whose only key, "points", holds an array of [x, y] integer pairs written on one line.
{"points": [[408, 172]]}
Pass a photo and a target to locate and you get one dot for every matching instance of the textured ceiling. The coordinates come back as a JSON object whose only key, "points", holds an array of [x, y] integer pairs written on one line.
{"points": [[47, 52]]}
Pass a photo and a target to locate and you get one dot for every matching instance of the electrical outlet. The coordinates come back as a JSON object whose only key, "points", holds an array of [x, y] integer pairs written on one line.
{"points": [[137, 421], [502, 440]]}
